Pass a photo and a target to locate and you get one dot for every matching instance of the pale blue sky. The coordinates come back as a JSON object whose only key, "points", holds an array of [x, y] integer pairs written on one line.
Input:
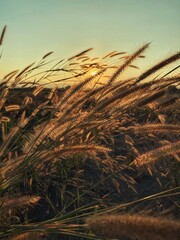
{"points": [[69, 26]]}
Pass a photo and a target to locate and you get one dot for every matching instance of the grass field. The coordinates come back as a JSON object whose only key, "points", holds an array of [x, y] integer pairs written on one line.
{"points": [[97, 159]]}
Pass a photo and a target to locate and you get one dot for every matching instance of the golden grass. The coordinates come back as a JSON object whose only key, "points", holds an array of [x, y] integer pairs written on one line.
{"points": [[47, 136], [19, 202], [134, 227], [28, 236], [157, 153]]}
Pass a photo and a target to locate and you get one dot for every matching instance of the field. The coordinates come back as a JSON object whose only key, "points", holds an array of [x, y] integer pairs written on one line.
{"points": [[96, 159]]}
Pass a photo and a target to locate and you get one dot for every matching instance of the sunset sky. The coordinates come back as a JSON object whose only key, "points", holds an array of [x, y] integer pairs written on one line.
{"points": [[35, 27]]}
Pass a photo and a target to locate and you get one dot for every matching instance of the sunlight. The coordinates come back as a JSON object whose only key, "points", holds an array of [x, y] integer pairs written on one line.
{"points": [[93, 72]]}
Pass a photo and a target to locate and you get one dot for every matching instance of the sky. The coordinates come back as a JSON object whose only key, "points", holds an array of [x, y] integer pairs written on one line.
{"points": [[35, 27]]}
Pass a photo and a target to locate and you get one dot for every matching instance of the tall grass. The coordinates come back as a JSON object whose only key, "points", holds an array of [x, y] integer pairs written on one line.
{"points": [[51, 138]]}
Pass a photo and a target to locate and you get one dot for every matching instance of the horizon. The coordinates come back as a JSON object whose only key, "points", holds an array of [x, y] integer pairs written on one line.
{"points": [[68, 27]]}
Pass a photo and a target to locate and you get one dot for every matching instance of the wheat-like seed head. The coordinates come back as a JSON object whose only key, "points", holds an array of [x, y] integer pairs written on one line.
{"points": [[134, 227], [156, 154], [28, 236]]}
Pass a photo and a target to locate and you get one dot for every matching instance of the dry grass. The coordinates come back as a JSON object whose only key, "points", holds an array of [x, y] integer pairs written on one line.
{"points": [[48, 139], [158, 153], [134, 227], [28, 236]]}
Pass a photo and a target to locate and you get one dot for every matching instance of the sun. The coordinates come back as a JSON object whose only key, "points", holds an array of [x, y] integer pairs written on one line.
{"points": [[93, 72]]}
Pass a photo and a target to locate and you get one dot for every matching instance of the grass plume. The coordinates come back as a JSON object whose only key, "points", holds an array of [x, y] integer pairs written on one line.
{"points": [[134, 227]]}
